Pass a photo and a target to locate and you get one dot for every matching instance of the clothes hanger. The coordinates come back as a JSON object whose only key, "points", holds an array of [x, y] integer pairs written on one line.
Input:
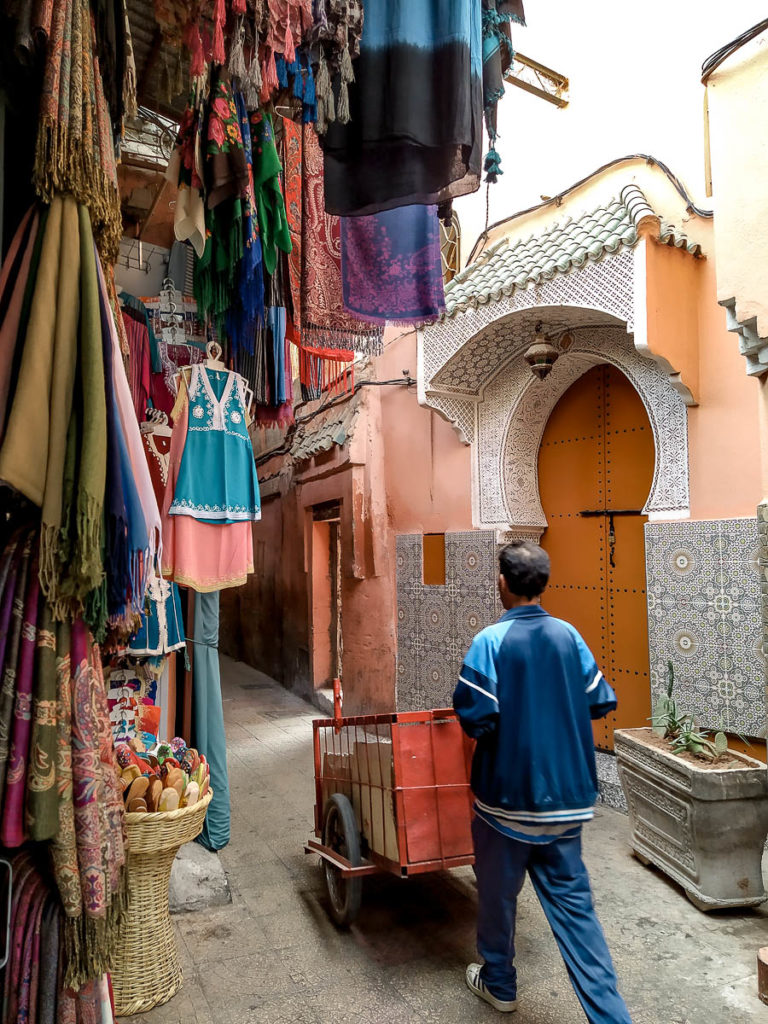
{"points": [[156, 423], [214, 351]]}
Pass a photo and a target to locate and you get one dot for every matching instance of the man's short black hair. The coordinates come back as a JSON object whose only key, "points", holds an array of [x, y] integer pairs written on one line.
{"points": [[525, 567]]}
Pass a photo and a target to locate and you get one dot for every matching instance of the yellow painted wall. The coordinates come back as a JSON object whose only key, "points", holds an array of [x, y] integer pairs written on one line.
{"points": [[738, 112]]}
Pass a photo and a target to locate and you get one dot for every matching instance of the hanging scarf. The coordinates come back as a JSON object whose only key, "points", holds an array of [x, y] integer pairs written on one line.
{"points": [[75, 151], [497, 58], [49, 962], [226, 173], [13, 284], [144, 523], [24, 451], [42, 795], [248, 307], [16, 348], [270, 204], [12, 818], [391, 266], [8, 691], [89, 852], [336, 34], [93, 462], [415, 134], [325, 325], [185, 171], [62, 392], [118, 559]]}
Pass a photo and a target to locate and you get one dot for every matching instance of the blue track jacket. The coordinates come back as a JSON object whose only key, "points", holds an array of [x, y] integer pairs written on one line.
{"points": [[527, 692]]}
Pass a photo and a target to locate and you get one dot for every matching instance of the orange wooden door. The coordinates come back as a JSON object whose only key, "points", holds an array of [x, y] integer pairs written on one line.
{"points": [[597, 457]]}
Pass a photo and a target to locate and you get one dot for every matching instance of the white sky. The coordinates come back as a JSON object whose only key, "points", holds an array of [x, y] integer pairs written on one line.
{"points": [[634, 68]]}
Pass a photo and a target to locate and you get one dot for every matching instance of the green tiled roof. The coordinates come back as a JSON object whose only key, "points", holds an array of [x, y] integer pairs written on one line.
{"points": [[505, 266], [330, 428]]}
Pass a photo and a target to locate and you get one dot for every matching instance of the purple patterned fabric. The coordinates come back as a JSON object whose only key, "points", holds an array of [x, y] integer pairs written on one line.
{"points": [[12, 830], [391, 266]]}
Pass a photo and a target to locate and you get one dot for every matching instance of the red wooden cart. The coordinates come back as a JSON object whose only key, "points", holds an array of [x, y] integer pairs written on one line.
{"points": [[392, 794]]}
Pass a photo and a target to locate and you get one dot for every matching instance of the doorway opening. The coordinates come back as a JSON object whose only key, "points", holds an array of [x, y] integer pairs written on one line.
{"points": [[596, 466], [327, 642]]}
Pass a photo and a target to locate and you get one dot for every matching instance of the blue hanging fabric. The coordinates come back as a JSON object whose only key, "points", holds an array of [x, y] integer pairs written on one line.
{"points": [[209, 735]]}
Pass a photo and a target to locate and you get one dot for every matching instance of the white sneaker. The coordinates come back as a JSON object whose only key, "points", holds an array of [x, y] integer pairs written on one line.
{"points": [[477, 985]]}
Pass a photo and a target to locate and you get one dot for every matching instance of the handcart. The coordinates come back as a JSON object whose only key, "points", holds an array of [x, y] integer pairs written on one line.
{"points": [[392, 794]]}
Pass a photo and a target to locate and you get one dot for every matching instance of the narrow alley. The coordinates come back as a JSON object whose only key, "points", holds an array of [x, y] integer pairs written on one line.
{"points": [[274, 957]]}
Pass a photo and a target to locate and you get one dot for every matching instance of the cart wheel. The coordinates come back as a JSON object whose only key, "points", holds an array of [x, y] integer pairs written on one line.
{"points": [[340, 833]]}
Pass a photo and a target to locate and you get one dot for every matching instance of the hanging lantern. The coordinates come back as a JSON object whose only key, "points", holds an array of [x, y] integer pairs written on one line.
{"points": [[541, 355]]}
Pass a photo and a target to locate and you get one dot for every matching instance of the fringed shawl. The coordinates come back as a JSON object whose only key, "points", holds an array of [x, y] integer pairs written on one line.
{"points": [[89, 850], [150, 514], [75, 149], [391, 266]]}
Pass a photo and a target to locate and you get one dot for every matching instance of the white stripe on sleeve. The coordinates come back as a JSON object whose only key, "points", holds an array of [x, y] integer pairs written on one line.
{"points": [[479, 688], [594, 682]]}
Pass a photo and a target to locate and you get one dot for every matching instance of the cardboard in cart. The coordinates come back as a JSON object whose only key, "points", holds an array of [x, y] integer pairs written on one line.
{"points": [[374, 799]]}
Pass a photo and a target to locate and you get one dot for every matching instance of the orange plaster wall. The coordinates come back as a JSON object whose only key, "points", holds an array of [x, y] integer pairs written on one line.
{"points": [[724, 432], [672, 287], [686, 327]]}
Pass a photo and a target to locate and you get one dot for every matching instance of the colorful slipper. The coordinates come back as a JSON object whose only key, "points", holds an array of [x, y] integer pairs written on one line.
{"points": [[191, 795], [169, 800]]}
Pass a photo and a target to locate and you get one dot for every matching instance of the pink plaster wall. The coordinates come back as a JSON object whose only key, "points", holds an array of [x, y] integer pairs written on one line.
{"points": [[427, 469], [404, 471]]}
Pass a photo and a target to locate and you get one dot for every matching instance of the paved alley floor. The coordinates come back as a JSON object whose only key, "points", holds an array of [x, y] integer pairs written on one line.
{"points": [[274, 957]]}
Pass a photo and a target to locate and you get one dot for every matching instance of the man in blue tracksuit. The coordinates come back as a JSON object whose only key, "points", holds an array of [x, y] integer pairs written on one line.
{"points": [[527, 692]]}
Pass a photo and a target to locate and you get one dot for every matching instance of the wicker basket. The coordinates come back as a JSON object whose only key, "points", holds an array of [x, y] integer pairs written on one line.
{"points": [[147, 970]]}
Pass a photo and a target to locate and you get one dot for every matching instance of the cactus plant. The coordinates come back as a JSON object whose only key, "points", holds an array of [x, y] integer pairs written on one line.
{"points": [[682, 730]]}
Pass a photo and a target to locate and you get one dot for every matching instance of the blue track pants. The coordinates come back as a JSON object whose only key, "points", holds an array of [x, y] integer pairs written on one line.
{"points": [[562, 885]]}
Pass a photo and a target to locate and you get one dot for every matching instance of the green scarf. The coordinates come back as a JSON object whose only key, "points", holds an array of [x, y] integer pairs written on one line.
{"points": [[87, 568], [62, 390]]}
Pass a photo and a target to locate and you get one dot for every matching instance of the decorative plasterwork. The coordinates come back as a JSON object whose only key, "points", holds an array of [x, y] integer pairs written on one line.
{"points": [[514, 412], [751, 345], [456, 355]]}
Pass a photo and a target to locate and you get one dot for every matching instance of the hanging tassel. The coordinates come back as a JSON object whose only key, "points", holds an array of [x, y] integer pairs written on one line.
{"points": [[236, 65], [195, 46], [492, 166], [282, 71], [253, 84], [324, 93], [346, 69], [238, 6], [270, 83], [219, 19], [342, 110], [347, 73], [290, 50]]}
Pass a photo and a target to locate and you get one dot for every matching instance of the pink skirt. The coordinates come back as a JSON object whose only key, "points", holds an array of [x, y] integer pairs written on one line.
{"points": [[203, 556]]}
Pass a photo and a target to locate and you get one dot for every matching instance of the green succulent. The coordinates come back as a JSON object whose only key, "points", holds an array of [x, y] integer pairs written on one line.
{"points": [[681, 729]]}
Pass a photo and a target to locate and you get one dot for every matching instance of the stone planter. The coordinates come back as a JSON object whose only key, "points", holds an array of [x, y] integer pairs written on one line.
{"points": [[703, 827]]}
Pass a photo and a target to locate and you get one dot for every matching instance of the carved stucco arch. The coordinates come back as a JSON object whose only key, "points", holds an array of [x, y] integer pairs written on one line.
{"points": [[514, 411]]}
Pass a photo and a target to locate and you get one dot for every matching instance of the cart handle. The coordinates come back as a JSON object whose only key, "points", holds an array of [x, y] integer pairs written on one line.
{"points": [[338, 699]]}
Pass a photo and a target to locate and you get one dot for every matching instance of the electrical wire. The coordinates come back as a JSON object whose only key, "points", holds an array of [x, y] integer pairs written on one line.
{"points": [[713, 62], [285, 447], [678, 185]]}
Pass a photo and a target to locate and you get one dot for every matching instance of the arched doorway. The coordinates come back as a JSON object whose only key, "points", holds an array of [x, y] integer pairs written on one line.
{"points": [[596, 465]]}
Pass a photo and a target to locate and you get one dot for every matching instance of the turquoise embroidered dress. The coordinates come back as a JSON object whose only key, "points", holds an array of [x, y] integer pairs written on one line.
{"points": [[217, 480]]}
